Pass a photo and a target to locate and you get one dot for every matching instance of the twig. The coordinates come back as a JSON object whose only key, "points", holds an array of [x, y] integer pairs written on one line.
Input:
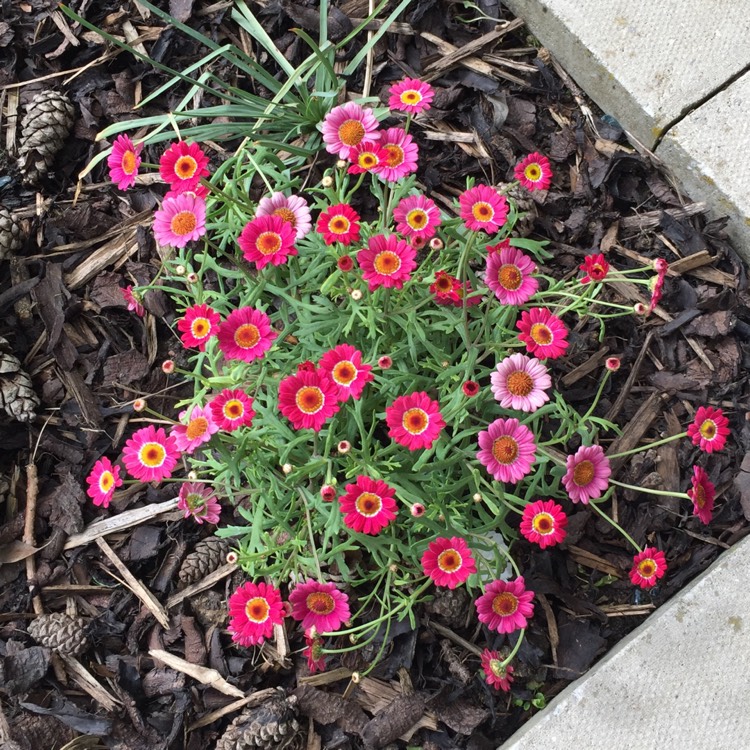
{"points": [[202, 585], [86, 682], [204, 675], [248, 702], [32, 491]]}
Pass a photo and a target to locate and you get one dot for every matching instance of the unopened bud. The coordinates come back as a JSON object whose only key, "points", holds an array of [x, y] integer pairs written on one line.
{"points": [[192, 476], [327, 181], [180, 270], [328, 492], [139, 404], [639, 308], [385, 362], [356, 295], [287, 468], [418, 242], [232, 558], [661, 265], [167, 366], [417, 510], [436, 243], [344, 446], [341, 164], [612, 363], [192, 278], [476, 497]]}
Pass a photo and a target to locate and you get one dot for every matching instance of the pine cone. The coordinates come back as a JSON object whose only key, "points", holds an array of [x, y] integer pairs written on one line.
{"points": [[449, 605], [270, 726], [60, 632], [208, 555], [34, 732], [10, 233], [44, 128], [17, 395]]}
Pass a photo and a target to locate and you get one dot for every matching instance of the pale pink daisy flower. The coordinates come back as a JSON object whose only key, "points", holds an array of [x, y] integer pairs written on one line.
{"points": [[505, 606], [520, 382], [411, 96], [123, 162], [180, 220], [319, 605], [343, 364], [401, 155], [507, 450], [246, 334], [416, 216], [197, 427], [483, 209], [150, 455], [103, 480], [347, 126], [293, 209], [587, 475], [197, 500], [509, 275]]}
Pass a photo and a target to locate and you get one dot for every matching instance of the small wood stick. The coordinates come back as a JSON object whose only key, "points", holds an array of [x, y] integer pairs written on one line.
{"points": [[32, 491]]}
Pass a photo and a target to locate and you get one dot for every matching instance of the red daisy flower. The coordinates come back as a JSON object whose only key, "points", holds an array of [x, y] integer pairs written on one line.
{"points": [[483, 209], [103, 480], [198, 325], [446, 289], [133, 302], [319, 605], [345, 263], [253, 611], [232, 409], [505, 606], [149, 455], [595, 267], [709, 429], [313, 652], [183, 163], [366, 156], [339, 223], [702, 493], [267, 239], [414, 421], [534, 172], [544, 334], [368, 505], [499, 676], [344, 366], [448, 562], [648, 567], [470, 388], [308, 399], [544, 523], [246, 334], [387, 261]]}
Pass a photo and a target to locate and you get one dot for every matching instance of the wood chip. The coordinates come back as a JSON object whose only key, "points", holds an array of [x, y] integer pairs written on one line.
{"points": [[204, 675], [634, 430], [202, 585], [651, 219], [87, 683], [590, 560], [591, 364], [376, 695]]}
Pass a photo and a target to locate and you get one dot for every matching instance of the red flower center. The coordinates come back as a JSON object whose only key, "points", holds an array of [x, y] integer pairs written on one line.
{"points": [[417, 218], [708, 429], [351, 132], [369, 504], [482, 211], [387, 263], [196, 428], [247, 336], [310, 399], [185, 167], [257, 609], [583, 473], [542, 334], [344, 372], [268, 243], [128, 162], [339, 225], [543, 523], [200, 328], [106, 480], [395, 156], [505, 450], [415, 421], [286, 214], [533, 172], [183, 223], [505, 604], [152, 454], [647, 568], [320, 603], [233, 409], [449, 561], [509, 277], [519, 383]]}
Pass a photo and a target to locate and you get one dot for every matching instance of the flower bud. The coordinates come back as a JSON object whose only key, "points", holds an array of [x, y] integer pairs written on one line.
{"points": [[385, 362], [327, 181], [341, 164], [356, 295], [139, 404], [192, 476], [470, 388], [344, 446], [477, 497], [417, 510], [180, 270], [192, 278], [167, 366], [436, 243], [612, 364], [232, 557], [328, 492], [418, 242], [287, 468], [640, 309], [345, 263], [661, 265]]}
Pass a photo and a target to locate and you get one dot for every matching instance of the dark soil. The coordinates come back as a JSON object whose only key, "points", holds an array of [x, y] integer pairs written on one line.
{"points": [[88, 357]]}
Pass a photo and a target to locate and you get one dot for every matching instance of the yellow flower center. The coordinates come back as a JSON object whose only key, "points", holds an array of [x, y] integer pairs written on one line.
{"points": [[196, 428], [320, 603], [505, 604], [247, 336], [369, 504], [310, 399], [286, 214], [449, 561], [411, 97], [268, 243], [708, 429], [583, 473], [367, 160], [415, 421], [509, 276], [344, 372], [200, 328], [183, 223], [444, 284], [257, 609], [647, 567], [152, 454], [351, 132], [106, 480], [541, 333], [505, 450], [497, 668], [532, 172], [417, 218], [543, 523], [482, 211], [185, 167], [128, 162], [233, 409], [387, 263], [339, 225]]}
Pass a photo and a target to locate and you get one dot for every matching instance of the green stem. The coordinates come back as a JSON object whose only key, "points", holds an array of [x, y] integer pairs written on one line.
{"points": [[514, 651], [594, 403], [647, 446], [614, 524], [662, 493]]}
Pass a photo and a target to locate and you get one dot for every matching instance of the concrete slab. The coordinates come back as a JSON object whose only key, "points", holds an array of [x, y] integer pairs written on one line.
{"points": [[680, 680], [646, 62], [705, 151]]}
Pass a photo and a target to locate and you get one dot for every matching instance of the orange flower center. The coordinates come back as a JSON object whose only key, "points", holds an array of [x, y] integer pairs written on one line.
{"points": [[482, 211], [415, 421], [369, 504], [533, 172], [351, 132], [505, 450], [583, 473], [543, 523], [708, 429], [541, 334], [339, 225], [106, 480], [268, 243], [286, 214], [257, 609], [128, 162], [310, 399], [344, 372], [185, 167], [411, 96], [449, 561], [647, 568], [519, 383], [699, 496], [417, 218], [320, 603], [247, 336], [200, 328], [196, 428], [367, 160], [152, 454], [183, 223], [387, 263], [505, 604], [233, 409], [510, 277], [395, 156]]}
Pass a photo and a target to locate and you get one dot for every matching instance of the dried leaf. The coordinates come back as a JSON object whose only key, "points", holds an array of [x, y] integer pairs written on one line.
{"points": [[15, 551], [462, 716], [400, 715], [329, 708], [20, 672]]}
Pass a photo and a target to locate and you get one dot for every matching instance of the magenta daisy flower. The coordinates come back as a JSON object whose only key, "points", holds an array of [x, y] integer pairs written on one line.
{"points": [[414, 421], [507, 450], [197, 427], [197, 191], [103, 480], [509, 275], [347, 126], [123, 162], [648, 567], [544, 523], [520, 382], [184, 164], [246, 334], [232, 409], [339, 223], [293, 209], [343, 365], [308, 399], [253, 611], [267, 239], [199, 501], [505, 606], [416, 216], [702, 493], [401, 154], [150, 455], [132, 301], [368, 505], [448, 562], [447, 289], [534, 172], [387, 261], [483, 209], [410, 95], [198, 325], [709, 429], [587, 474], [180, 220], [366, 157], [345, 263], [319, 605], [595, 267], [544, 334], [497, 675], [313, 652], [470, 388]]}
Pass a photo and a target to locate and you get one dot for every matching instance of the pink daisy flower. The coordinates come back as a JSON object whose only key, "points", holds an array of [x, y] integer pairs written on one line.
{"points": [[150, 455], [446, 289], [401, 154], [347, 126], [308, 399], [414, 421], [366, 157], [246, 334], [648, 567], [709, 429], [368, 505], [343, 365], [544, 334], [328, 493], [543, 523], [293, 209], [505, 606], [313, 652], [587, 474], [483, 209], [339, 223], [345, 263], [123, 162], [198, 325], [133, 302], [410, 95], [267, 239], [595, 267], [180, 220], [199, 501], [702, 493], [387, 261], [416, 216], [448, 562], [534, 172], [197, 191], [507, 450], [499, 676], [509, 275], [232, 409], [319, 605], [103, 480], [253, 611], [661, 267], [183, 164], [196, 428], [520, 382]]}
